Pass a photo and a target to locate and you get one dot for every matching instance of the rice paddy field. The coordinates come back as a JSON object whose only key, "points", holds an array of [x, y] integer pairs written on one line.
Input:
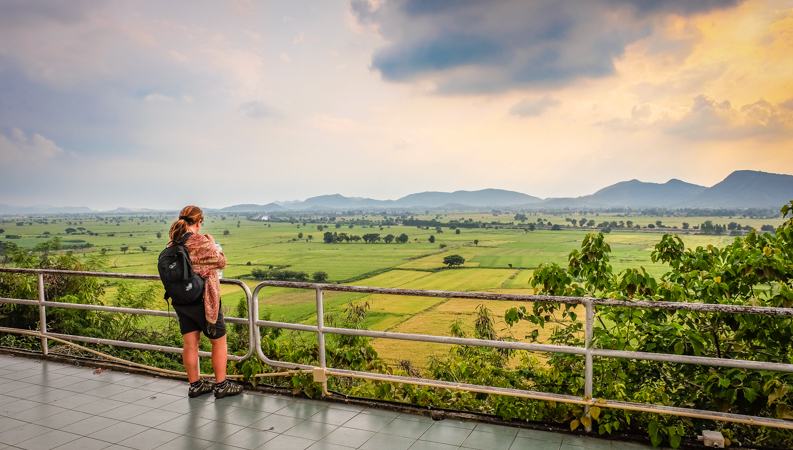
{"points": [[497, 259]]}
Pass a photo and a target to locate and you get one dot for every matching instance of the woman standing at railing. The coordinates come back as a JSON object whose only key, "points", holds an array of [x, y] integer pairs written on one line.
{"points": [[204, 316]]}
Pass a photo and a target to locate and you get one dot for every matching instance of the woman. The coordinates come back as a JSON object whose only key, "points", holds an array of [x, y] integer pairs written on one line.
{"points": [[203, 317]]}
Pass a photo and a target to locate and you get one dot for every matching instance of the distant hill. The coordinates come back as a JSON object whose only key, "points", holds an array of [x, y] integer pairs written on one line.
{"points": [[482, 198], [746, 189], [252, 208], [8, 209], [632, 194]]}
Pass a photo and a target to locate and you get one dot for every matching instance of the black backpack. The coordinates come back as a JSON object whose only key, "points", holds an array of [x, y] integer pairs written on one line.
{"points": [[182, 285]]}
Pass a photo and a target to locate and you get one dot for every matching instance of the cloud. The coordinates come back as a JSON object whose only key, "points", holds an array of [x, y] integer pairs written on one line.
{"points": [[533, 107], [242, 7], [709, 119], [467, 46], [18, 147], [256, 109], [155, 97]]}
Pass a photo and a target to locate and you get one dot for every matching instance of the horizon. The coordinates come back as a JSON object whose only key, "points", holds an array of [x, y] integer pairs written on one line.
{"points": [[171, 104]]}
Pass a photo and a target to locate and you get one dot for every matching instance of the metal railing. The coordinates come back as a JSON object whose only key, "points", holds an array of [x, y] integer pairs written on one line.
{"points": [[588, 350]]}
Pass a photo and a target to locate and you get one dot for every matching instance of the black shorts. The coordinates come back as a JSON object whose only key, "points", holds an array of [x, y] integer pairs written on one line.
{"points": [[193, 318]]}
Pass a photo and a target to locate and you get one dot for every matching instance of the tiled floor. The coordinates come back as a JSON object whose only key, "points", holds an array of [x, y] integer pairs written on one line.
{"points": [[46, 405]]}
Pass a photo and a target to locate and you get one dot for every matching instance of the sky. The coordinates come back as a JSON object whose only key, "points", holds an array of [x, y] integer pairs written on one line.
{"points": [[150, 104]]}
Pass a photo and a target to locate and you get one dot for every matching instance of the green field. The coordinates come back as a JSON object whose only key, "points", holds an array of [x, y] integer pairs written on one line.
{"points": [[501, 261]]}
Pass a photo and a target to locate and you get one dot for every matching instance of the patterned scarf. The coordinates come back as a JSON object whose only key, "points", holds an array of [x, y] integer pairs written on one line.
{"points": [[206, 261]]}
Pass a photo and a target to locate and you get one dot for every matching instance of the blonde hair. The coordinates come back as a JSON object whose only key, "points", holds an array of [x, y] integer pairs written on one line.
{"points": [[189, 215]]}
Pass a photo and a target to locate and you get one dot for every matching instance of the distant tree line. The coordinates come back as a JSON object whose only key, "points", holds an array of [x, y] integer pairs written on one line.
{"points": [[369, 238]]}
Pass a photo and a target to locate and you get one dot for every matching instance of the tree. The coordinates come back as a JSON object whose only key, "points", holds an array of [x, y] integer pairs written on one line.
{"points": [[658, 223], [389, 238], [432, 239], [476, 242], [328, 237], [159, 235], [521, 217], [70, 230], [629, 223], [531, 227], [454, 260], [457, 231], [300, 235], [143, 248], [556, 227], [402, 238], [320, 227], [124, 249], [650, 225], [310, 237], [591, 223], [685, 225], [582, 222], [319, 276]]}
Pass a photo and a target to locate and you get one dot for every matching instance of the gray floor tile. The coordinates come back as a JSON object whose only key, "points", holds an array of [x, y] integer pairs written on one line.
{"points": [[14, 408], [51, 396], [62, 419], [381, 412], [85, 443], [333, 416], [12, 386], [488, 441], [186, 443], [276, 423], [86, 386], [346, 407], [300, 410], [61, 382], [23, 433], [130, 395], [90, 425], [157, 400], [388, 442], [7, 423], [38, 412], [74, 401], [183, 424], [427, 445], [243, 417], [154, 418], [406, 428], [350, 437], [249, 438], [311, 430], [445, 435], [185, 405], [327, 446], [215, 431], [585, 443], [416, 418], [149, 439], [533, 444], [284, 442], [99, 406], [110, 391], [617, 445], [118, 432], [369, 422], [541, 435], [264, 403], [498, 429], [29, 391], [126, 412], [48, 441], [456, 424], [212, 411]]}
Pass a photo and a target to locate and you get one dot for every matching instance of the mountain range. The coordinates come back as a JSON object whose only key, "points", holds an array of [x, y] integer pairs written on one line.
{"points": [[741, 189]]}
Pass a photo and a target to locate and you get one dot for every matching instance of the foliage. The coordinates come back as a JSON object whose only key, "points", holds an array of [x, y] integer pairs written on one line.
{"points": [[454, 260], [755, 270], [279, 274]]}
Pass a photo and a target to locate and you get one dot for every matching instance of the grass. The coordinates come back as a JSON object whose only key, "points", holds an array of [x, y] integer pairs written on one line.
{"points": [[502, 261]]}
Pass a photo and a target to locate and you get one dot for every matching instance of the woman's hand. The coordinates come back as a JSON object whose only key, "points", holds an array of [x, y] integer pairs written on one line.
{"points": [[209, 236]]}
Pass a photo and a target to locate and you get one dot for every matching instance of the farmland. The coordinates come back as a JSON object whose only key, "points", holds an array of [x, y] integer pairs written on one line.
{"points": [[497, 259]]}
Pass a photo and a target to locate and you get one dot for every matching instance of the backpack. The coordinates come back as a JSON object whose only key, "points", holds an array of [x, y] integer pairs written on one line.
{"points": [[182, 285]]}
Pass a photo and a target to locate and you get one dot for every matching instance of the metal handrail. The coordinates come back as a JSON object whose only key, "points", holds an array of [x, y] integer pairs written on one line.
{"points": [[42, 303], [588, 350]]}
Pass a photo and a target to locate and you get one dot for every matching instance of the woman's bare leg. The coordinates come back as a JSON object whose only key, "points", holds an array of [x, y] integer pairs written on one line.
{"points": [[190, 354], [220, 353]]}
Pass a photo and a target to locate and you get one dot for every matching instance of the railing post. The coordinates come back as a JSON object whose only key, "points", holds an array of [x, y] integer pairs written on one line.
{"points": [[321, 334], [588, 332], [42, 313]]}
